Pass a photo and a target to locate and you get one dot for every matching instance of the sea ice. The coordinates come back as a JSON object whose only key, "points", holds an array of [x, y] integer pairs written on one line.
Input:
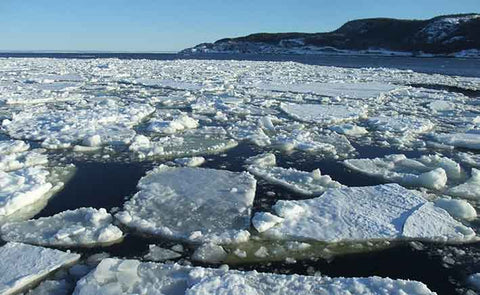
{"points": [[427, 171], [401, 124], [81, 227], [349, 129], [190, 162], [21, 188], [470, 189], [22, 265], [176, 124], [13, 146], [15, 161], [461, 140], [383, 212], [345, 89], [114, 276], [193, 204], [306, 183], [156, 253], [191, 143], [61, 128], [323, 114]]}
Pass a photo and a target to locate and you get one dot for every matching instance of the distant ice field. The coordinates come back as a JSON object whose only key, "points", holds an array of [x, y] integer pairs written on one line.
{"points": [[275, 166]]}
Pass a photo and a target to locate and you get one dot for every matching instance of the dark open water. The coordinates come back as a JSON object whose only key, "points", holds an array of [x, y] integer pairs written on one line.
{"points": [[106, 185]]}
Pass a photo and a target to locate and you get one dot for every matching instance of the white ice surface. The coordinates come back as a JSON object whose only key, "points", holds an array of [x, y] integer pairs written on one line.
{"points": [[114, 276], [460, 209], [470, 189], [13, 146], [353, 90], [323, 114], [383, 212], [461, 140], [427, 171], [110, 119], [22, 265], [15, 161], [21, 188], [190, 162], [192, 204], [190, 143], [79, 227]]}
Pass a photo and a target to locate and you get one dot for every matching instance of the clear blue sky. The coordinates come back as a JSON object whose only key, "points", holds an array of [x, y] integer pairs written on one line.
{"points": [[148, 25]]}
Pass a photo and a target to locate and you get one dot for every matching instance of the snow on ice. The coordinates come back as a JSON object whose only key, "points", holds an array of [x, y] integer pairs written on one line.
{"points": [[22, 265], [387, 212], [81, 227], [192, 204], [115, 276]]}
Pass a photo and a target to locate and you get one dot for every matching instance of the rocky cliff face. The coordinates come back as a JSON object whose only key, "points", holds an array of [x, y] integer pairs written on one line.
{"points": [[443, 35]]}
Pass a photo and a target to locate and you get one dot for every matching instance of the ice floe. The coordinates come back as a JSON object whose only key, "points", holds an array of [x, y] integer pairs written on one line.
{"points": [[470, 189], [203, 141], [323, 114], [81, 227], [61, 128], [306, 183], [192, 204], [23, 265], [461, 140], [114, 276], [387, 212], [156, 253], [427, 171]]}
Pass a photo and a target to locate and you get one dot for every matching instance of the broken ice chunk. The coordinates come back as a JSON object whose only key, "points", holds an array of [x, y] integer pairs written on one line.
{"points": [[177, 203], [81, 227], [156, 253], [470, 189], [323, 114], [191, 143], [401, 124], [13, 146], [22, 265], [457, 208], [387, 212], [190, 162], [349, 129], [263, 221], [21, 188], [153, 278], [427, 171], [461, 140], [302, 182], [15, 161]]}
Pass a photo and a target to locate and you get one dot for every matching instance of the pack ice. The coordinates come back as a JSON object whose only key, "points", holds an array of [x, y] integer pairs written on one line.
{"points": [[192, 204], [115, 276], [22, 265], [383, 212], [81, 227]]}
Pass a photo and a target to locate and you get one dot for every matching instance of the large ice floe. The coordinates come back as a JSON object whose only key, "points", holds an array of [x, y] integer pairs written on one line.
{"points": [[80, 227], [115, 276], [305, 183], [22, 265], [431, 171], [387, 212], [192, 204]]}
